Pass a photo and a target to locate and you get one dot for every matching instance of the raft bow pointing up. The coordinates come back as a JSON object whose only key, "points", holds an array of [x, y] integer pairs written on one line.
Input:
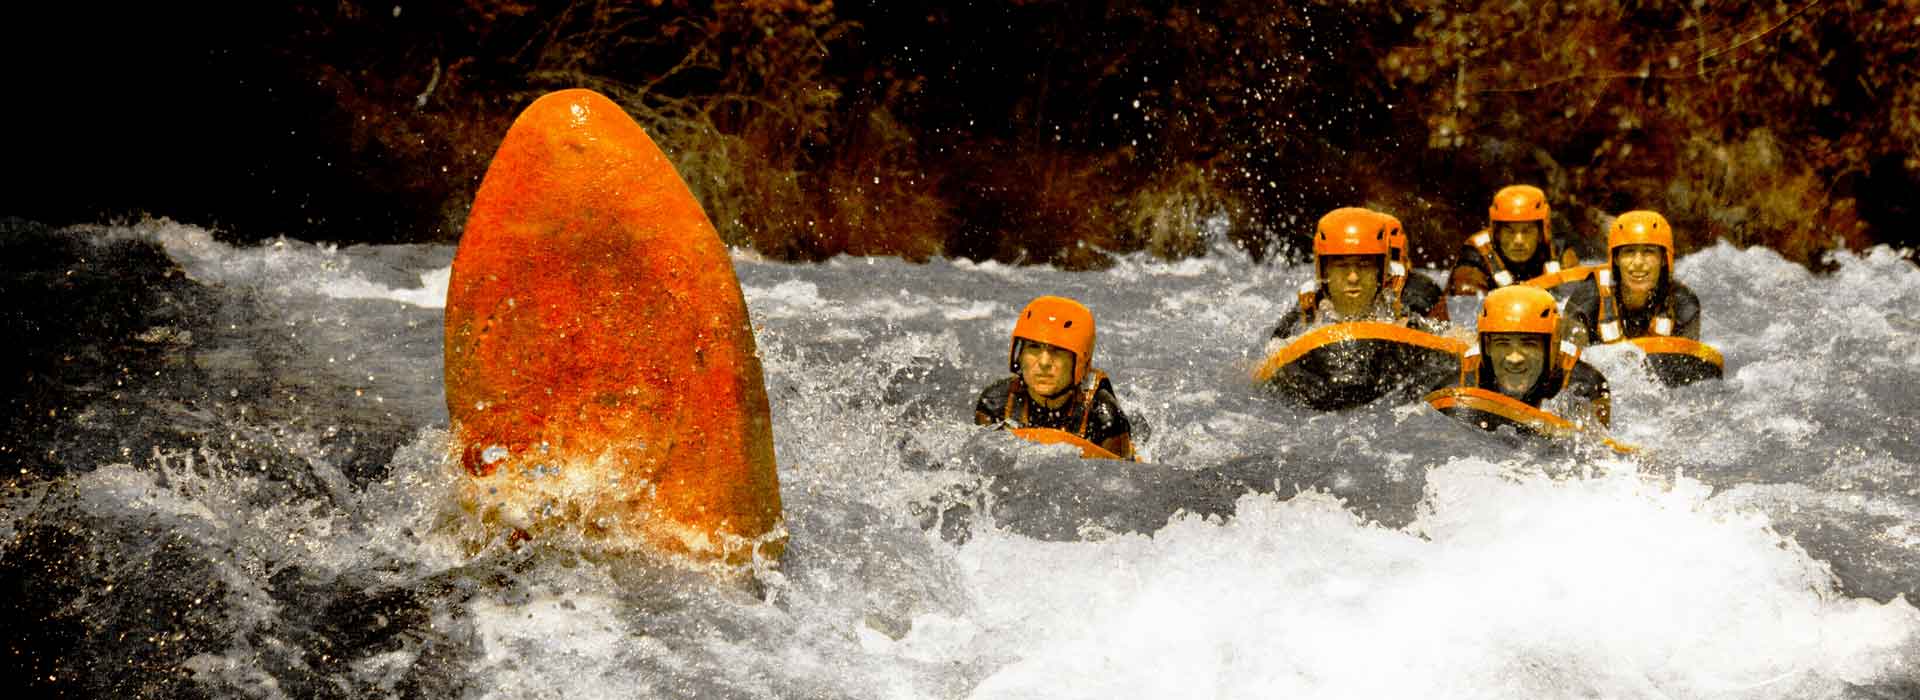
{"points": [[601, 374]]}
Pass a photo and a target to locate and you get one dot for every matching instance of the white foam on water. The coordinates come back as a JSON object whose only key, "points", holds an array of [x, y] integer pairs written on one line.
{"points": [[1603, 588]]}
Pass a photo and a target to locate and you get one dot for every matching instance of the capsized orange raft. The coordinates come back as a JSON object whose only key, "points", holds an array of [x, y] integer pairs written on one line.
{"points": [[1051, 436], [1491, 409], [601, 375], [1349, 364]]}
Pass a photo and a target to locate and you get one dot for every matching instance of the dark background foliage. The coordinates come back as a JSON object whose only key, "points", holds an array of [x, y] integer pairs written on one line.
{"points": [[1055, 132]]}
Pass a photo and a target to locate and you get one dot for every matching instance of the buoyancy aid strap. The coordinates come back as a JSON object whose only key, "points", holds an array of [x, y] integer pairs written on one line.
{"points": [[1483, 242], [1470, 366], [1608, 321], [1087, 394], [1569, 356], [1013, 389]]}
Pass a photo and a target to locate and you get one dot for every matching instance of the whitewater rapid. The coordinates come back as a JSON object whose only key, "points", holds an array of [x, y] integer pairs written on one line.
{"points": [[263, 511]]}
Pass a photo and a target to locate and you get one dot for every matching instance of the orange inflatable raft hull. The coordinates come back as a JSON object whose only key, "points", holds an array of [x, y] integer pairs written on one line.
{"points": [[1349, 364], [1490, 409], [601, 375], [1680, 361], [1051, 436]]}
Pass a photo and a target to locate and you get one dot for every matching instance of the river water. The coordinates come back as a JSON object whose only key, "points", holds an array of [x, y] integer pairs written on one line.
{"points": [[233, 485]]}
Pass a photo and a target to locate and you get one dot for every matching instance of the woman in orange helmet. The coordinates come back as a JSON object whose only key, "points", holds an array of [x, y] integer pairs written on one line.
{"points": [[1636, 295], [1052, 381], [1516, 246]]}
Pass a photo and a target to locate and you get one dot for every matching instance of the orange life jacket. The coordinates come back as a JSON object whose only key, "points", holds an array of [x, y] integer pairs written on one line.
{"points": [[1483, 242], [1607, 321]]}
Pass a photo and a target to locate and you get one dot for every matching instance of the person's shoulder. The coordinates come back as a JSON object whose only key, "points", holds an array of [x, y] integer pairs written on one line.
{"points": [[1422, 292], [1683, 294], [1581, 292], [1289, 324], [1468, 249], [995, 395], [1585, 374], [1106, 406]]}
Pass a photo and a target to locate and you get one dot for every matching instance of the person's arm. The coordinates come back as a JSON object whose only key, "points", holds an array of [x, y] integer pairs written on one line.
{"points": [[1569, 258], [1583, 303], [1108, 427], [1589, 384], [1424, 299], [1469, 275], [1686, 312], [988, 409]]}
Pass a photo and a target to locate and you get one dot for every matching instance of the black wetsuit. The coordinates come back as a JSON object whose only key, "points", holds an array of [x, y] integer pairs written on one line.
{"points": [[1421, 295], [1359, 373], [1472, 264], [1587, 384], [1676, 302], [1105, 422]]}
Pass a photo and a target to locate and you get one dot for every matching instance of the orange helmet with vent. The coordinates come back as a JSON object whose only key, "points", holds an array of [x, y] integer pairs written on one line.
{"points": [[1641, 228], [1521, 309], [1524, 203], [1349, 231], [1056, 321]]}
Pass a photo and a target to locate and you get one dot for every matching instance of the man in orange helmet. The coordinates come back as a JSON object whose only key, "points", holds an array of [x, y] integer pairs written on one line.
{"points": [[1053, 383], [1516, 246], [1636, 295], [1354, 265], [1522, 354]]}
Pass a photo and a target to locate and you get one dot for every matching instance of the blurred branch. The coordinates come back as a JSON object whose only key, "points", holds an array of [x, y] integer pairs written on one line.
{"points": [[1645, 72]]}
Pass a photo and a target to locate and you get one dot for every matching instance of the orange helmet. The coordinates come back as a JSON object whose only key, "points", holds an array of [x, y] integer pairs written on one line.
{"points": [[1641, 228], [1523, 203], [1349, 231], [1521, 309], [1056, 321], [1397, 242]]}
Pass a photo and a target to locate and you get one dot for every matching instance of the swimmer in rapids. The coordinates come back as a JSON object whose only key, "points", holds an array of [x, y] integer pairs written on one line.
{"points": [[1052, 381], [1522, 354], [1517, 245], [1635, 296], [1354, 276]]}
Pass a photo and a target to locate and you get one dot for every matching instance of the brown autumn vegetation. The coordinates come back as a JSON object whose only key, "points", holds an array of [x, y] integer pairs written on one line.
{"points": [[1065, 131]]}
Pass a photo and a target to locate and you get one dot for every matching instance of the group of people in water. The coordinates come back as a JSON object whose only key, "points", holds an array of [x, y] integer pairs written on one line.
{"points": [[1539, 308]]}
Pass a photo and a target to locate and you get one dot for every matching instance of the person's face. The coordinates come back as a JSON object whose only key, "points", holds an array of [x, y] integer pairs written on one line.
{"points": [[1352, 280], [1517, 360], [1639, 267], [1047, 369], [1517, 239]]}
